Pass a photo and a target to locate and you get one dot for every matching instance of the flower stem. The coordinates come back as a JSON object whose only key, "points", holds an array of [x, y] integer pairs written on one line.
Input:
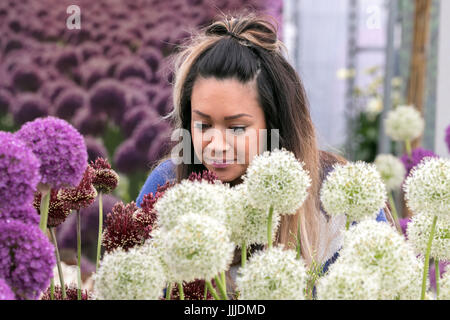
{"points": [[394, 211], [269, 227], [79, 253], [45, 202], [243, 254], [222, 290], [212, 290], [347, 224], [180, 289], [408, 148], [52, 289], [100, 227], [299, 248], [438, 276], [58, 263], [427, 259], [168, 291], [205, 293], [224, 281]]}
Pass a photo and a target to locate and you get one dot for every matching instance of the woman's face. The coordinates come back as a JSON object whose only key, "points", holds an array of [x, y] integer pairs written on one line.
{"points": [[225, 126]]}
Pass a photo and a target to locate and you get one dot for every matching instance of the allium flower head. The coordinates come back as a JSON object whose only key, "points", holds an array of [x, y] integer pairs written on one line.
{"points": [[416, 157], [348, 282], [19, 172], [447, 137], [198, 247], [58, 210], [355, 189], [206, 175], [194, 290], [202, 198], [380, 249], [71, 293], [133, 275], [60, 148], [105, 179], [277, 179], [83, 195], [391, 169], [5, 291], [273, 274], [404, 123], [29, 106], [418, 232], [445, 286], [427, 188], [25, 213], [27, 258]]}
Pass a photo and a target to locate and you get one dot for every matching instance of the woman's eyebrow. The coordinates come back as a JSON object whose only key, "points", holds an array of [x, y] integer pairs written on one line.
{"points": [[226, 118]]}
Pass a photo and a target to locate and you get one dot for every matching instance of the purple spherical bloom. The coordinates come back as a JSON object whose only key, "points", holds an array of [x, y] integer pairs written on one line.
{"points": [[90, 49], [5, 291], [417, 155], [61, 149], [151, 56], [81, 196], [29, 106], [133, 67], [108, 96], [27, 77], [25, 213], [135, 116], [94, 70], [146, 132], [162, 102], [51, 90], [19, 172], [89, 123], [69, 102], [447, 137], [27, 258], [128, 159], [67, 60], [135, 97], [95, 148], [157, 149]]}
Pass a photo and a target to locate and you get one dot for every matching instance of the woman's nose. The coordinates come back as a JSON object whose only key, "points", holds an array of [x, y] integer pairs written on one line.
{"points": [[218, 144]]}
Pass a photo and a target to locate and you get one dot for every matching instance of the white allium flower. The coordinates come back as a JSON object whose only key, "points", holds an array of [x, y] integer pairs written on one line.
{"points": [[197, 247], [379, 248], [272, 274], [418, 232], [427, 188], [356, 189], [346, 281], [133, 275], [277, 179], [245, 222], [203, 198], [444, 293], [392, 170], [404, 123]]}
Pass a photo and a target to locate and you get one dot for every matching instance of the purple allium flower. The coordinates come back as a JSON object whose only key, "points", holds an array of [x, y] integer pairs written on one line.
{"points": [[105, 179], [71, 293], [19, 172], [158, 148], [5, 101], [95, 148], [108, 96], [51, 90], [81, 196], [94, 70], [25, 213], [194, 290], [206, 175], [58, 211], [61, 149], [89, 123], [417, 155], [69, 102], [147, 216], [147, 132], [90, 49], [29, 106], [27, 77], [128, 159], [133, 67], [5, 291], [404, 225], [447, 137], [67, 60], [27, 258], [135, 116], [151, 56], [162, 102], [432, 272], [122, 229], [136, 97]]}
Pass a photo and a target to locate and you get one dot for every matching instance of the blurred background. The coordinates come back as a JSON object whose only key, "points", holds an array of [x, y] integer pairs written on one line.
{"points": [[103, 66]]}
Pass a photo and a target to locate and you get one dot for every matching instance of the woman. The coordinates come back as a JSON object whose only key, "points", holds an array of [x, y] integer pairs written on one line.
{"points": [[232, 78]]}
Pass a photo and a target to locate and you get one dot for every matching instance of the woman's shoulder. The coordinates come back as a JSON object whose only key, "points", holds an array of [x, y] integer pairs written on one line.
{"points": [[163, 172]]}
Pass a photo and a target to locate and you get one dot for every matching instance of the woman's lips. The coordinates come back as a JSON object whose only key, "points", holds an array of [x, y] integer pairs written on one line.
{"points": [[220, 164]]}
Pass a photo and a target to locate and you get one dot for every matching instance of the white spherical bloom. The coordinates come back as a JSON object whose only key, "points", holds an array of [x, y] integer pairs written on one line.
{"points": [[427, 188], [379, 248], [444, 293], [418, 232], [404, 123], [355, 189], [272, 274], [133, 275], [203, 198], [345, 281], [246, 223], [277, 179], [197, 247], [392, 170]]}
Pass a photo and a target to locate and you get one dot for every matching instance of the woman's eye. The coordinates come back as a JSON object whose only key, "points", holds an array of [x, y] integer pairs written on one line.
{"points": [[238, 130], [201, 126]]}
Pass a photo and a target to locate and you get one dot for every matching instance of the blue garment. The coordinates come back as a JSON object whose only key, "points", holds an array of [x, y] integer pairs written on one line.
{"points": [[165, 171]]}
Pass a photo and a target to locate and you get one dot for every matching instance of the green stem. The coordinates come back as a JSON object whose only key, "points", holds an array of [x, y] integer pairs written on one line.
{"points": [[347, 224], [299, 248], [427, 259], [100, 228], [269, 227], [222, 290], [394, 210], [408, 148], [438, 276], [168, 291], [52, 289], [205, 293], [79, 253], [180, 289], [212, 290], [243, 254], [224, 280], [45, 202], [58, 263]]}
